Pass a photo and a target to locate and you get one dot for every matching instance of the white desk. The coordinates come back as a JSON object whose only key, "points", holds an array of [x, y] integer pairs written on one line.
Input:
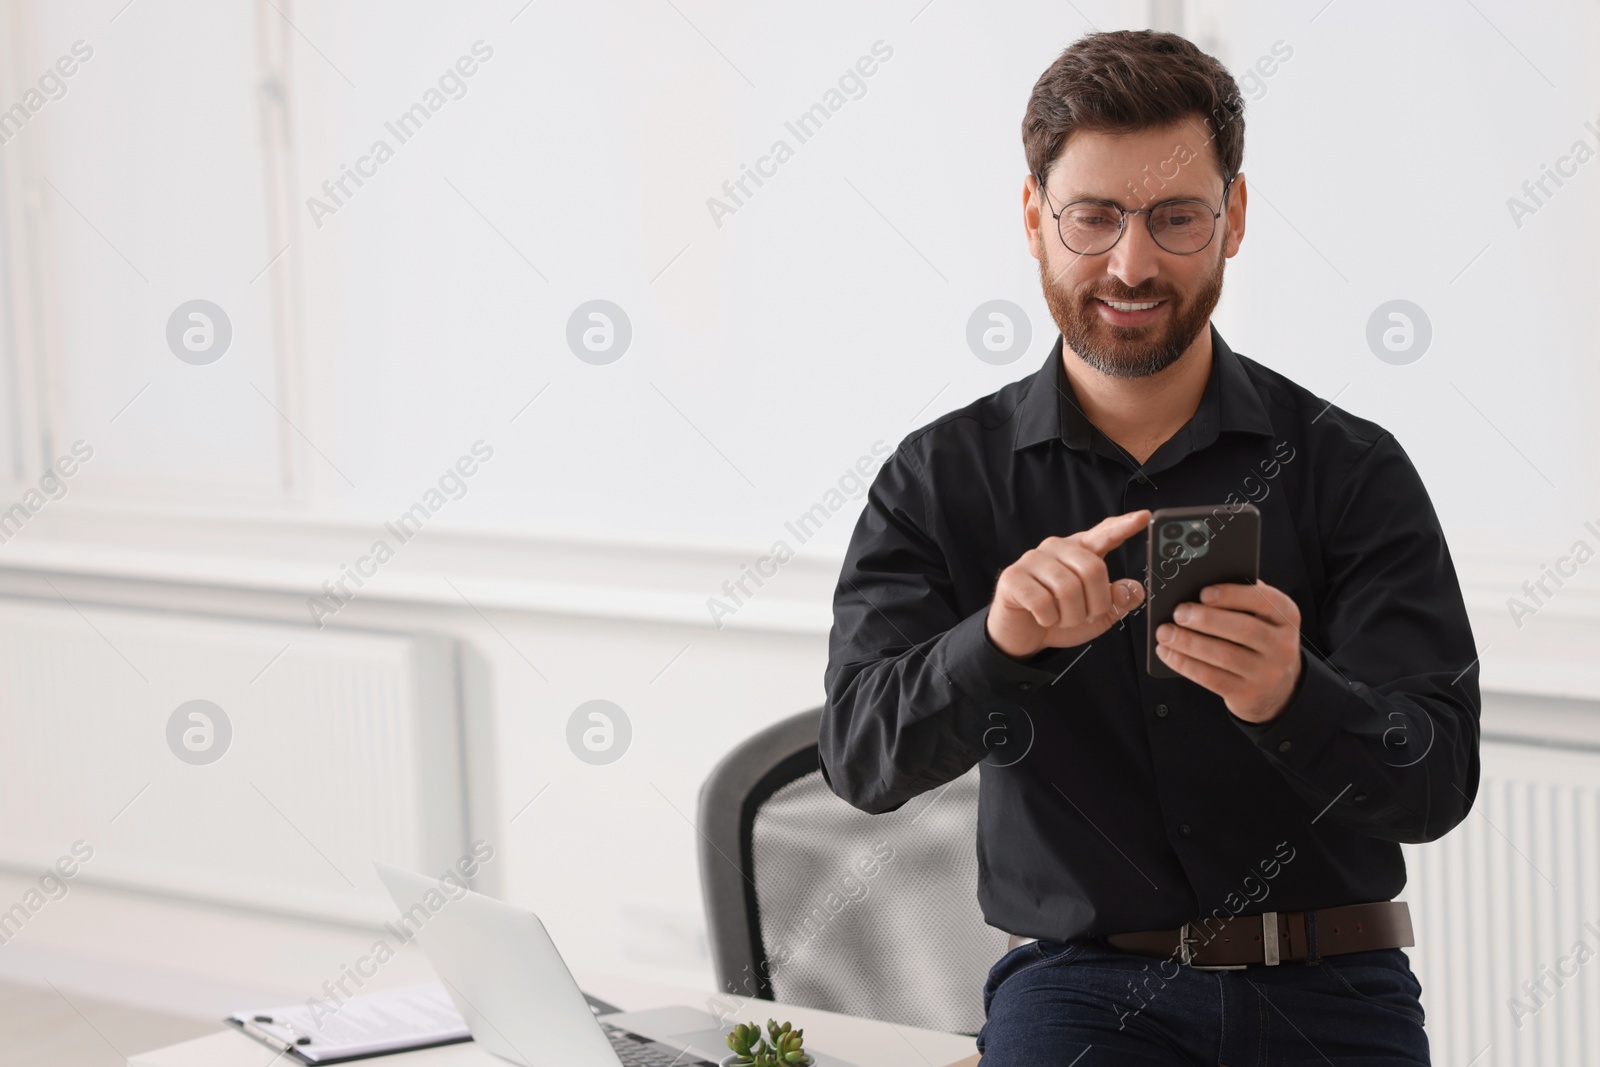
{"points": [[866, 1042]]}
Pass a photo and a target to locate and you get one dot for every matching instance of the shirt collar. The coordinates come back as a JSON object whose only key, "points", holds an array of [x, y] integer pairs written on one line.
{"points": [[1230, 402]]}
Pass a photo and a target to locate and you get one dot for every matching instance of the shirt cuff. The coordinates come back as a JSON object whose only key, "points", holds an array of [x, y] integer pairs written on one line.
{"points": [[972, 662], [1321, 706]]}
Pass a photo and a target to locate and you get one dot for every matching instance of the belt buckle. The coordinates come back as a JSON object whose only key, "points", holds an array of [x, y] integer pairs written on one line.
{"points": [[1186, 954]]}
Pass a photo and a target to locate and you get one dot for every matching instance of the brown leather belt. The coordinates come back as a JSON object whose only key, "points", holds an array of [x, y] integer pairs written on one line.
{"points": [[1272, 937]]}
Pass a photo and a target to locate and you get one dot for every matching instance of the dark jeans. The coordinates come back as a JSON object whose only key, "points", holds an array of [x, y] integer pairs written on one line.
{"points": [[1084, 1003]]}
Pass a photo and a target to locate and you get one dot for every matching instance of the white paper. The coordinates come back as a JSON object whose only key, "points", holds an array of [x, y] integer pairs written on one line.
{"points": [[365, 1024]]}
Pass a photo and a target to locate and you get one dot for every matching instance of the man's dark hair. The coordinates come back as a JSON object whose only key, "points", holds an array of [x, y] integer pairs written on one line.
{"points": [[1123, 81]]}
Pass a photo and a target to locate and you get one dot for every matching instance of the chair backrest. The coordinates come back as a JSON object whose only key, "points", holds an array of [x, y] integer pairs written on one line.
{"points": [[811, 901]]}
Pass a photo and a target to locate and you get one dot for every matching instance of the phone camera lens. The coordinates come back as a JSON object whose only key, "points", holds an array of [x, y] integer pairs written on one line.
{"points": [[1195, 539], [1172, 531], [1172, 549]]}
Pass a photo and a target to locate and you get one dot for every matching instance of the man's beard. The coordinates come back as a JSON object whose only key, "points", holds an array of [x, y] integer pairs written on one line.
{"points": [[1130, 351]]}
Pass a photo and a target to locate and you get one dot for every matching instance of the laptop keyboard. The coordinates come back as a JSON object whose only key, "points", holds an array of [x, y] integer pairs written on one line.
{"points": [[637, 1051]]}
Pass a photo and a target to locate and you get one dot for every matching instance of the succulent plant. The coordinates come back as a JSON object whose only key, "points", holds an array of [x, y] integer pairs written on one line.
{"points": [[781, 1046]]}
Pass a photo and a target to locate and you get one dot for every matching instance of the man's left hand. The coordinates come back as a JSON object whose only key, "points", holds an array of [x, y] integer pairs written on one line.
{"points": [[1242, 642]]}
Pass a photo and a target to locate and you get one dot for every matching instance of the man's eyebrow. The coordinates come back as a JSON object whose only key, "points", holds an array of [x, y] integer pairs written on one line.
{"points": [[1074, 195]]}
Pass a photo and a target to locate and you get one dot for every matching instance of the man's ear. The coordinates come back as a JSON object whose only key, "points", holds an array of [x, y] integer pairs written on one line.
{"points": [[1234, 217], [1032, 211]]}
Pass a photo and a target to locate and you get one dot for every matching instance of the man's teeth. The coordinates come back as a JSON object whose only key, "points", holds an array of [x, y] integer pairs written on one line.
{"points": [[1122, 305]]}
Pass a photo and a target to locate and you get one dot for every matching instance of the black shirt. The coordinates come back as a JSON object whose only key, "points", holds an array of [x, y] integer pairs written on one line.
{"points": [[1111, 801]]}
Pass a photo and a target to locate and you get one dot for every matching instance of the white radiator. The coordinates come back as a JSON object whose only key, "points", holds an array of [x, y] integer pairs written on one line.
{"points": [[345, 748], [1504, 899]]}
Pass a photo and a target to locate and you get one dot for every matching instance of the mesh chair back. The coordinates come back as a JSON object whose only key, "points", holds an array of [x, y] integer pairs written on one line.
{"points": [[810, 901]]}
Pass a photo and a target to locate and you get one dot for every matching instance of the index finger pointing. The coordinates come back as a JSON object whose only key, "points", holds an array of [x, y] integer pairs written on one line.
{"points": [[1110, 532]]}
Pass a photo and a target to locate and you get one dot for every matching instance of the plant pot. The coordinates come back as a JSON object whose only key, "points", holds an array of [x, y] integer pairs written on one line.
{"points": [[733, 1059]]}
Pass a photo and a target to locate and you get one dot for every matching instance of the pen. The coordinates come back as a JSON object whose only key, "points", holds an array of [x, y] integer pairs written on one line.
{"points": [[259, 1034]]}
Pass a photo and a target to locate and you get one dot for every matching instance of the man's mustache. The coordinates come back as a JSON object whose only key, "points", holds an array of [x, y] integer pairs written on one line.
{"points": [[1133, 297]]}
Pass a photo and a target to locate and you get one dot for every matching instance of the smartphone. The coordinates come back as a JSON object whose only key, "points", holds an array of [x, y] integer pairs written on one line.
{"points": [[1189, 549]]}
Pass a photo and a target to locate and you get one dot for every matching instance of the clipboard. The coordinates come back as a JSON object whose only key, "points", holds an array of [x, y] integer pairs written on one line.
{"points": [[333, 1030], [274, 1027]]}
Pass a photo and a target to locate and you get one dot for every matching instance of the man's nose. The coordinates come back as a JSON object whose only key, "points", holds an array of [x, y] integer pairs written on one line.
{"points": [[1136, 256]]}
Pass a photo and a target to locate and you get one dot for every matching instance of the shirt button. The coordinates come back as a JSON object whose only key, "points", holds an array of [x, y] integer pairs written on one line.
{"points": [[1142, 480], [1183, 829], [1283, 746], [1161, 711], [1024, 685], [1359, 797]]}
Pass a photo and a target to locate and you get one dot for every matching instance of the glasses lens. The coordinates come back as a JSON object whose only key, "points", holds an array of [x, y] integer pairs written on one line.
{"points": [[1088, 227], [1182, 226]]}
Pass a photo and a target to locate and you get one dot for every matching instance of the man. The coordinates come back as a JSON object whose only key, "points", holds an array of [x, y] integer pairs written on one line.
{"points": [[1198, 869]]}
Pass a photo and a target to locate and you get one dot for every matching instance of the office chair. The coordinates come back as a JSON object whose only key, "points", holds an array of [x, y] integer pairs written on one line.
{"points": [[810, 901]]}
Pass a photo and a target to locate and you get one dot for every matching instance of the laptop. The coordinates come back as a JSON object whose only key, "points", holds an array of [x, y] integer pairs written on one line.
{"points": [[512, 987]]}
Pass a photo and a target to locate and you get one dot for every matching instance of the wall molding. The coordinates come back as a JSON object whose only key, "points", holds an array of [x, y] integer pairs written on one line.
{"points": [[303, 555], [295, 553]]}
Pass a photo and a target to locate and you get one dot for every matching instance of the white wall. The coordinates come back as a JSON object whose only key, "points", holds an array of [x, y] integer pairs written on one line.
{"points": [[828, 312], [769, 353]]}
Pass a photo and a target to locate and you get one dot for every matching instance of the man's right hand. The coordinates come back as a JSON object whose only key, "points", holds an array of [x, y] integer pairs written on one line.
{"points": [[1059, 594]]}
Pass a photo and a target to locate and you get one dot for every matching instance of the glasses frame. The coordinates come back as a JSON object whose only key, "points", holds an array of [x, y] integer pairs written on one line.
{"points": [[1147, 212]]}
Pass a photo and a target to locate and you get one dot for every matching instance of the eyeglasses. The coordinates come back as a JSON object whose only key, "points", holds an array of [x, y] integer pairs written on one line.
{"points": [[1183, 227]]}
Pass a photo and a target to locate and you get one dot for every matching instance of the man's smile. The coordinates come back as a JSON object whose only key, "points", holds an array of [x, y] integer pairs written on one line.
{"points": [[1129, 312]]}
